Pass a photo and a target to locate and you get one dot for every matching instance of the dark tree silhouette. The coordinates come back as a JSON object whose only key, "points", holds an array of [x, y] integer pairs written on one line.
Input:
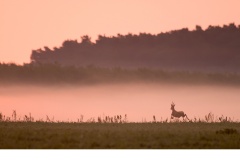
{"points": [[214, 49]]}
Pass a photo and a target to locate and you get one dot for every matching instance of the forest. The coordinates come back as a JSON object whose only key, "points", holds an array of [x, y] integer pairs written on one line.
{"points": [[55, 74], [215, 49], [199, 56]]}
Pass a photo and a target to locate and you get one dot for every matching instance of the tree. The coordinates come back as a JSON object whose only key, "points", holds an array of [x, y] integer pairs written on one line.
{"points": [[198, 28], [86, 40]]}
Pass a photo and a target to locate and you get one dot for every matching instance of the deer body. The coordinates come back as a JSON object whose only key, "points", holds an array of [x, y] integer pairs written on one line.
{"points": [[177, 114]]}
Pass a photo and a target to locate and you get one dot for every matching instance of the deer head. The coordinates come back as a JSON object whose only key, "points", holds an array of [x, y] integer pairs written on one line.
{"points": [[172, 106]]}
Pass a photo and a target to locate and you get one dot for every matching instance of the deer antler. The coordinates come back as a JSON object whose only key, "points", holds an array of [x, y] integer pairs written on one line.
{"points": [[172, 104]]}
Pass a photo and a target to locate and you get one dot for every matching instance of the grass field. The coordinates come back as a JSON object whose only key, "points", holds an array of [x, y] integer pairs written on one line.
{"points": [[183, 135]]}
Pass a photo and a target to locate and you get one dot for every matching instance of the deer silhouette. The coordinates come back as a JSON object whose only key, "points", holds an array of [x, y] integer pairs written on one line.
{"points": [[177, 114]]}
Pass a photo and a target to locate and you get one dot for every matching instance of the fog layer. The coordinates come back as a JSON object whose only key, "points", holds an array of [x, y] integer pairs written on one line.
{"points": [[139, 101]]}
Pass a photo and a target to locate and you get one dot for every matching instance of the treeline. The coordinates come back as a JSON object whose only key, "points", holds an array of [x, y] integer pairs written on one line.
{"points": [[213, 49], [54, 74]]}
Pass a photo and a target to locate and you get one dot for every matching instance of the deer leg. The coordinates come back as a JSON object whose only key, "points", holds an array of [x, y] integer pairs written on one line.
{"points": [[186, 116]]}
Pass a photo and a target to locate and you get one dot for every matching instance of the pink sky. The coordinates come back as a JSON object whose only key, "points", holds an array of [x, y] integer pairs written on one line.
{"points": [[28, 24]]}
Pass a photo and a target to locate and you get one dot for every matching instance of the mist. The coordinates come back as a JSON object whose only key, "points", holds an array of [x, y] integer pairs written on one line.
{"points": [[139, 101]]}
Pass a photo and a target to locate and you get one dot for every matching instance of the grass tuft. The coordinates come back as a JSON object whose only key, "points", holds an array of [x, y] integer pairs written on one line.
{"points": [[227, 131]]}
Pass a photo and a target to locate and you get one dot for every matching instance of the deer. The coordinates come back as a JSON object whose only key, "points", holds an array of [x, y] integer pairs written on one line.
{"points": [[177, 114]]}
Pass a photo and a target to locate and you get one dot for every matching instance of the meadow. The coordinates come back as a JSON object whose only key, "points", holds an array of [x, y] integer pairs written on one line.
{"points": [[96, 135], [28, 132]]}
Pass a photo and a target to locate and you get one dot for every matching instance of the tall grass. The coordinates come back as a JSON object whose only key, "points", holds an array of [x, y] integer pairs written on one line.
{"points": [[208, 118]]}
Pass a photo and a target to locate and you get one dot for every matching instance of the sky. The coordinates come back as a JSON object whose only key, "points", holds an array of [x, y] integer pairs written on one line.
{"points": [[27, 25]]}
